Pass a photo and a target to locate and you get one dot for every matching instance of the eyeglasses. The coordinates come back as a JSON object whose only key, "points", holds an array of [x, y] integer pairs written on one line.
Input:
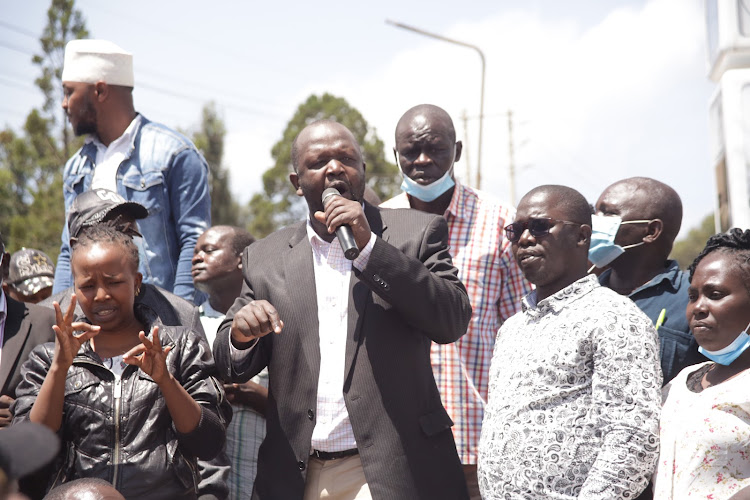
{"points": [[537, 226]]}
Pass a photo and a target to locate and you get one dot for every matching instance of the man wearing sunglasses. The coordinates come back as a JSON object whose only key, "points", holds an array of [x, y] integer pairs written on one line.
{"points": [[642, 216], [426, 151], [574, 398]]}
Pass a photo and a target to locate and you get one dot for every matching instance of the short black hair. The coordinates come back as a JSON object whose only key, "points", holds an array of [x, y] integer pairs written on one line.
{"points": [[106, 233], [241, 239], [325, 121], [572, 203], [434, 113], [295, 143], [735, 241]]}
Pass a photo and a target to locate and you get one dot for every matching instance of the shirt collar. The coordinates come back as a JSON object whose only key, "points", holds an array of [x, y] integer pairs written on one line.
{"points": [[559, 300], [671, 275], [125, 138], [316, 241], [209, 311], [458, 206]]}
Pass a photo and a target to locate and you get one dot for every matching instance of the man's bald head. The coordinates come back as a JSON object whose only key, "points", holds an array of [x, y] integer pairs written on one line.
{"points": [[430, 116], [643, 198], [325, 123], [570, 203]]}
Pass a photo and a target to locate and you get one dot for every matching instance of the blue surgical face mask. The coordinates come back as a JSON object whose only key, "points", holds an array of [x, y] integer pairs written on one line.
{"points": [[602, 249], [429, 192], [731, 352]]}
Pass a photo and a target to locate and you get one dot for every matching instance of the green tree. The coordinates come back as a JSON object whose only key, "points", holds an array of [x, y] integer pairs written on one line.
{"points": [[686, 249], [278, 204], [31, 162], [210, 141], [64, 23]]}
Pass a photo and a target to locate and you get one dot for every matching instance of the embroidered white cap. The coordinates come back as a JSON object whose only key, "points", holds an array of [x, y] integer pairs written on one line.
{"points": [[90, 61]]}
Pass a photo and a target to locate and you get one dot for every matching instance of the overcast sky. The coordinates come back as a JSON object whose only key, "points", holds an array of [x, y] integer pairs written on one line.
{"points": [[599, 89]]}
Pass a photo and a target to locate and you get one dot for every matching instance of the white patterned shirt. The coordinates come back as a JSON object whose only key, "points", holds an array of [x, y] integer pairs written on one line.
{"points": [[705, 438], [574, 399]]}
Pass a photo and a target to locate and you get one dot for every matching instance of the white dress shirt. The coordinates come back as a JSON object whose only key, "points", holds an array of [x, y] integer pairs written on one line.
{"points": [[108, 158], [333, 431]]}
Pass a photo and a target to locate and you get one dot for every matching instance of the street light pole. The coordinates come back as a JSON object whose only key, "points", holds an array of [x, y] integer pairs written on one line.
{"points": [[481, 95]]}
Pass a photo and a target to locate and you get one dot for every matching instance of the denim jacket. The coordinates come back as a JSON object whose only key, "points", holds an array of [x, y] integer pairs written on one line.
{"points": [[165, 173]]}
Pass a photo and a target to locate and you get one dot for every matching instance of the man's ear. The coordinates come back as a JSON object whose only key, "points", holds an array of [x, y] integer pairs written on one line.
{"points": [[459, 148], [584, 235], [654, 230], [395, 155], [101, 91], [294, 179]]}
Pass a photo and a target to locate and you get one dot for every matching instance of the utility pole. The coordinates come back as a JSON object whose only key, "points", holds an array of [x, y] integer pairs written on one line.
{"points": [[465, 155], [511, 161]]}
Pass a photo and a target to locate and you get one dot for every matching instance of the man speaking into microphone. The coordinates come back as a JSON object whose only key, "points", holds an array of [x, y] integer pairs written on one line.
{"points": [[353, 410]]}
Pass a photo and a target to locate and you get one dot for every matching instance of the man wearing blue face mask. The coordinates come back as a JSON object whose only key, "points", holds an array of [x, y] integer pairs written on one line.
{"points": [[636, 223], [426, 150]]}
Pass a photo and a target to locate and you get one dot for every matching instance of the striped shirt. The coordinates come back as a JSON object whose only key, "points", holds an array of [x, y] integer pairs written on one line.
{"points": [[495, 286]]}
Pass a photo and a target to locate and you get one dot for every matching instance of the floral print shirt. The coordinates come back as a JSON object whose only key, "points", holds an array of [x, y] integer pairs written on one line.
{"points": [[705, 439], [574, 399]]}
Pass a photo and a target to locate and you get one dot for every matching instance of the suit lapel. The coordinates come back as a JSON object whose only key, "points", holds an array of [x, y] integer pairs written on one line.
{"points": [[15, 335], [359, 295], [300, 286]]}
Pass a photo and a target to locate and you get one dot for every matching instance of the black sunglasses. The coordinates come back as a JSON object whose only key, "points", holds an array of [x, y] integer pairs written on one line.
{"points": [[537, 226]]}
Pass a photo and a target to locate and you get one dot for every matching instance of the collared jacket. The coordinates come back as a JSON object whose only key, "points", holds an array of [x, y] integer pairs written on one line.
{"points": [[165, 173], [122, 431]]}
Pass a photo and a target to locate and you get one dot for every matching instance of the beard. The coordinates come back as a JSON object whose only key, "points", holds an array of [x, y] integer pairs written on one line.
{"points": [[84, 128], [86, 122]]}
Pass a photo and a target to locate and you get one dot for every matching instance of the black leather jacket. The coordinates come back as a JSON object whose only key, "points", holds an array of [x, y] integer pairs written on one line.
{"points": [[130, 440]]}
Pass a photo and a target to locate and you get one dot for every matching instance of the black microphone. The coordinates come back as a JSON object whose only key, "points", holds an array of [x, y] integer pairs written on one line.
{"points": [[343, 233]]}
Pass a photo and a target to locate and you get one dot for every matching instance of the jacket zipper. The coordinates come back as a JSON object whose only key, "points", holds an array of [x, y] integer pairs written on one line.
{"points": [[117, 389]]}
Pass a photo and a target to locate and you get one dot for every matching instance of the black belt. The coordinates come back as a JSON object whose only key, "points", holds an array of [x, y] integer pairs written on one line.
{"points": [[333, 455]]}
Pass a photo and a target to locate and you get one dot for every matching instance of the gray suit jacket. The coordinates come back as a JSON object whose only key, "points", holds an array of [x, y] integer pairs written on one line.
{"points": [[26, 326], [407, 296]]}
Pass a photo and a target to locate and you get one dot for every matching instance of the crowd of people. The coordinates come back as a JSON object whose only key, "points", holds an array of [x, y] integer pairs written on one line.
{"points": [[439, 345]]}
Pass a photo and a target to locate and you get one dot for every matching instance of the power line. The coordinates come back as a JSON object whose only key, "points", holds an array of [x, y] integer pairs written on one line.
{"points": [[238, 107], [15, 48], [213, 90], [185, 39], [193, 98], [13, 83], [18, 29]]}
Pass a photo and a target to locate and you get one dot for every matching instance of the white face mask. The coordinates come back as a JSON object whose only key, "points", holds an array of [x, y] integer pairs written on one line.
{"points": [[731, 352], [429, 192], [602, 249]]}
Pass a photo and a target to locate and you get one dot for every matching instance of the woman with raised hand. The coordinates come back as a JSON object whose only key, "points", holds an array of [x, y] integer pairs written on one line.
{"points": [[131, 407], [705, 421]]}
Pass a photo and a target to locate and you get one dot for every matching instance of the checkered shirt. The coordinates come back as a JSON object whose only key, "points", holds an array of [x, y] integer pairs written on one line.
{"points": [[495, 286]]}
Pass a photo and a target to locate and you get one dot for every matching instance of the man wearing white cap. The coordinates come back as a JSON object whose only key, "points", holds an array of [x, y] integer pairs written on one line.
{"points": [[143, 161]]}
